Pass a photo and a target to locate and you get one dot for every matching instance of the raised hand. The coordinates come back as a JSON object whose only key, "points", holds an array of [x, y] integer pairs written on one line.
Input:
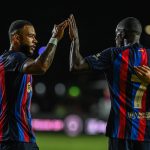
{"points": [[73, 31], [143, 72], [58, 30]]}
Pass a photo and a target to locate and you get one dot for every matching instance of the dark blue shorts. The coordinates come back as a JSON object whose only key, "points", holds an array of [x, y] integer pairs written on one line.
{"points": [[13, 145], [118, 144]]}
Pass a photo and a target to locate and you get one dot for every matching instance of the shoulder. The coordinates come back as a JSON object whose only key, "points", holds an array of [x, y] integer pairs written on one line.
{"points": [[113, 50], [17, 54]]}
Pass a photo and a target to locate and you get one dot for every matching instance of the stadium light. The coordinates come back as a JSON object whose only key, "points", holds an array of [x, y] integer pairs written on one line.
{"points": [[147, 29], [40, 88], [74, 91]]}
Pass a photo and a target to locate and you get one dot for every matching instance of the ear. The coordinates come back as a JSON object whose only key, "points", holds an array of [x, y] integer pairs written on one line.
{"points": [[16, 38]]}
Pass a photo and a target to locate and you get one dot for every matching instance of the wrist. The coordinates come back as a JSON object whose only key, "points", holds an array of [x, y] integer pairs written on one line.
{"points": [[53, 41], [75, 40]]}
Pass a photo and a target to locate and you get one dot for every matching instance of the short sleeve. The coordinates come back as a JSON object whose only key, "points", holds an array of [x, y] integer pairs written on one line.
{"points": [[100, 61]]}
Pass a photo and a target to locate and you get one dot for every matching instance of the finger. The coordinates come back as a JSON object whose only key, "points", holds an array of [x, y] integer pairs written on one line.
{"points": [[71, 24], [71, 15], [73, 21], [138, 70], [62, 23], [140, 75], [142, 68], [146, 67], [54, 28], [70, 28]]}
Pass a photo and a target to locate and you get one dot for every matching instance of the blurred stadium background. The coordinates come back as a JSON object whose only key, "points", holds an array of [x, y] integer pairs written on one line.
{"points": [[70, 110]]}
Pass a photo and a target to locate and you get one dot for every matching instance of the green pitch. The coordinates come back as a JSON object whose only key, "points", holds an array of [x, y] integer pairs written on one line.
{"points": [[48, 141]]}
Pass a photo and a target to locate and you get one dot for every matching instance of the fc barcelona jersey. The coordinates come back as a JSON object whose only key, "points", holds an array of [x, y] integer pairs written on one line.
{"points": [[130, 97], [15, 99]]}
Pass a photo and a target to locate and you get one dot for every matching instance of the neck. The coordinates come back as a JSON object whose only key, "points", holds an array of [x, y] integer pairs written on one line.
{"points": [[13, 48]]}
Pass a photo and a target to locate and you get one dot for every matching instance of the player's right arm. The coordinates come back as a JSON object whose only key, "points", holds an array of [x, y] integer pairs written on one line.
{"points": [[77, 62], [41, 64]]}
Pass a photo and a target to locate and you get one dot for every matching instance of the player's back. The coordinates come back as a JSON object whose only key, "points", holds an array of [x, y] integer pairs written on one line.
{"points": [[130, 112]]}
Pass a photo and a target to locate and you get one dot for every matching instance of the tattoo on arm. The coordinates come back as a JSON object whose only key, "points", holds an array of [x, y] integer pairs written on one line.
{"points": [[46, 58]]}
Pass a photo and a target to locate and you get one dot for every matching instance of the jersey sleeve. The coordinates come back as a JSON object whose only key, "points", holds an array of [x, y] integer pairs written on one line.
{"points": [[100, 61], [16, 61]]}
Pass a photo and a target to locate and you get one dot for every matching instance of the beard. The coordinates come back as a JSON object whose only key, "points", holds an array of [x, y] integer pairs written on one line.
{"points": [[26, 50], [119, 43]]}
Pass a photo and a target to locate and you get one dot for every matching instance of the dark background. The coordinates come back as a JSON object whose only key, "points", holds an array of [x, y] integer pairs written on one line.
{"points": [[96, 21]]}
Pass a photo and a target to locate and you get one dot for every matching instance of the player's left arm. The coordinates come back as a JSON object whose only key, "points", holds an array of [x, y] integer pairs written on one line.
{"points": [[143, 72], [76, 61]]}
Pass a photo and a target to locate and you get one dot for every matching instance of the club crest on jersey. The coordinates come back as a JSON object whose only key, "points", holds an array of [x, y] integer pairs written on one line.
{"points": [[141, 50], [29, 87]]}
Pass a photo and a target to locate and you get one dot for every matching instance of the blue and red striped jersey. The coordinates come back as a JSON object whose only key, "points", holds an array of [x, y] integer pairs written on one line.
{"points": [[15, 98], [130, 97]]}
